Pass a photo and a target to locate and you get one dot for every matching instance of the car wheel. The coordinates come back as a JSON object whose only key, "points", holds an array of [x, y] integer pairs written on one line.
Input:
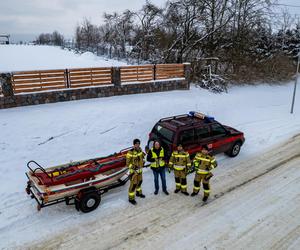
{"points": [[235, 150], [89, 202]]}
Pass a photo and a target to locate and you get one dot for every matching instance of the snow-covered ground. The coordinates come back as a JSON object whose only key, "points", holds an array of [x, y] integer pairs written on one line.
{"points": [[30, 57], [256, 205], [57, 133]]}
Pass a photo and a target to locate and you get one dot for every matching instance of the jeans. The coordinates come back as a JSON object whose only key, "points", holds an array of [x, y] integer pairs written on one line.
{"points": [[162, 172]]}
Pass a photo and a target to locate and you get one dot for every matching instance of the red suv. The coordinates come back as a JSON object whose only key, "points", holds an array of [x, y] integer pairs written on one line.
{"points": [[194, 130]]}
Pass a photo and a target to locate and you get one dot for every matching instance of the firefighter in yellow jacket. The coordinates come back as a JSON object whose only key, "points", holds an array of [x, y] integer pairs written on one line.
{"points": [[135, 163], [181, 163], [203, 163]]}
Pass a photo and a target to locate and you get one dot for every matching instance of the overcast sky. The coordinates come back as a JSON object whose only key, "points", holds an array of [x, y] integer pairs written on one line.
{"points": [[31, 17]]}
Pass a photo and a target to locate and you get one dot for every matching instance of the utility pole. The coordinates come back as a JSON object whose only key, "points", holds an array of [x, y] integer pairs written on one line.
{"points": [[295, 86]]}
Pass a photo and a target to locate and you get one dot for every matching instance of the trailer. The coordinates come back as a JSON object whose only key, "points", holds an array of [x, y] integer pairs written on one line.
{"points": [[78, 183]]}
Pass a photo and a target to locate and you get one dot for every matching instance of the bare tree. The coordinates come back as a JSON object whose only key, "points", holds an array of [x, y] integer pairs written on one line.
{"points": [[87, 35], [147, 18]]}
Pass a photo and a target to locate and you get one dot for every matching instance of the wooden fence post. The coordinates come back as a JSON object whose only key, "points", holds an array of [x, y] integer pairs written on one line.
{"points": [[116, 76], [6, 84], [67, 78]]}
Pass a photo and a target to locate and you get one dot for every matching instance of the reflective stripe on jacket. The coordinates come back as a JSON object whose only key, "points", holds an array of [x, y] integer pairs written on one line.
{"points": [[180, 160], [135, 160], [158, 160], [204, 163]]}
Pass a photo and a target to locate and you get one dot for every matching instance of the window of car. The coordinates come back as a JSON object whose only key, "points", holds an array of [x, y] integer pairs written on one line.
{"points": [[187, 137], [202, 132], [217, 129], [164, 132]]}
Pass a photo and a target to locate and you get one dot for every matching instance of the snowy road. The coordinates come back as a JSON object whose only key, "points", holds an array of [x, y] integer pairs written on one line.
{"points": [[57, 133], [256, 205]]}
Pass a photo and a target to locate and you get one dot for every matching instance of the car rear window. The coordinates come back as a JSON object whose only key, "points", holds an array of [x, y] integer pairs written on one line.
{"points": [[164, 132]]}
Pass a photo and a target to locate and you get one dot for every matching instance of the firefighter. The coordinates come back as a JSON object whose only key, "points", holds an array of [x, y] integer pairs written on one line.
{"points": [[135, 163], [203, 164], [180, 162], [156, 157]]}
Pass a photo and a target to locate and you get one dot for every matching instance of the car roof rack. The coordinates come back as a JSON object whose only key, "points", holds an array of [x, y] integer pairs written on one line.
{"points": [[173, 118], [174, 121], [178, 122]]}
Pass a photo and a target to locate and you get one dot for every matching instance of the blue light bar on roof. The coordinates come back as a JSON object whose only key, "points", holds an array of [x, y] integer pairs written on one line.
{"points": [[210, 118], [191, 113]]}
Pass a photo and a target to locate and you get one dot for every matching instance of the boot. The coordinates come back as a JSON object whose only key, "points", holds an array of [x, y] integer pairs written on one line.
{"points": [[185, 193], [133, 202], [205, 198], [140, 195], [166, 192], [194, 194], [176, 191], [155, 192]]}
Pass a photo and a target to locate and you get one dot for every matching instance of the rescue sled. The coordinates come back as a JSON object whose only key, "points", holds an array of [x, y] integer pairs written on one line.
{"points": [[78, 183]]}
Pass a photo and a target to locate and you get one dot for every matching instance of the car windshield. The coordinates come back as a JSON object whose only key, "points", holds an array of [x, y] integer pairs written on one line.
{"points": [[164, 132]]}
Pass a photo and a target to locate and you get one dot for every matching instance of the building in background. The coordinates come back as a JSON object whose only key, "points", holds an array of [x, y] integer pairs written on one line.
{"points": [[4, 39]]}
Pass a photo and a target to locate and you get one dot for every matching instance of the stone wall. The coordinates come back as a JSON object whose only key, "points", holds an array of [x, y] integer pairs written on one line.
{"points": [[94, 92], [8, 99]]}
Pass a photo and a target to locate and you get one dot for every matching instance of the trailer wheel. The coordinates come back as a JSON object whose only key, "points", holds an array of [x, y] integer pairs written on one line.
{"points": [[89, 202]]}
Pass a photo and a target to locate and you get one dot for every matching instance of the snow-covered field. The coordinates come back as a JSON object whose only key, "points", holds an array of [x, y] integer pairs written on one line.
{"points": [[29, 57], [58, 133]]}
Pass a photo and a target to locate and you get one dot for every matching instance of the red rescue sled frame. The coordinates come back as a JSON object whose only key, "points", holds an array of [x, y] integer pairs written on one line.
{"points": [[85, 195]]}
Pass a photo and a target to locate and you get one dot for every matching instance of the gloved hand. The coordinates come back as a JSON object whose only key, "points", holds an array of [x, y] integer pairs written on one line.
{"points": [[130, 176], [208, 176], [157, 162], [190, 170], [169, 169]]}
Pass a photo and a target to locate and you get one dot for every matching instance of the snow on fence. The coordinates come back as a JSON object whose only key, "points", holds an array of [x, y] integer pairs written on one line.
{"points": [[35, 81]]}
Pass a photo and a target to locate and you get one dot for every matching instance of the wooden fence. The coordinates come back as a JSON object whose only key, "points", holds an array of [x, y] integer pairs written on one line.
{"points": [[32, 81], [35, 81], [89, 77]]}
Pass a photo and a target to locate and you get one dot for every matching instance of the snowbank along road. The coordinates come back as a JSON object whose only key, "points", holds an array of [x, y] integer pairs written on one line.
{"points": [[255, 205]]}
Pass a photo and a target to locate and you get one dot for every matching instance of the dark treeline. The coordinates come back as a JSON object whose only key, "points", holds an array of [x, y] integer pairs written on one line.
{"points": [[55, 38]]}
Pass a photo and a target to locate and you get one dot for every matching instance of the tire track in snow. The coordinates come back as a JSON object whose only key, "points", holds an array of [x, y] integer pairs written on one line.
{"points": [[156, 215]]}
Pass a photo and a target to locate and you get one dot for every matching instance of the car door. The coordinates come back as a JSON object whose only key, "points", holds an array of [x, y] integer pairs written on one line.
{"points": [[202, 136], [188, 140], [218, 138]]}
